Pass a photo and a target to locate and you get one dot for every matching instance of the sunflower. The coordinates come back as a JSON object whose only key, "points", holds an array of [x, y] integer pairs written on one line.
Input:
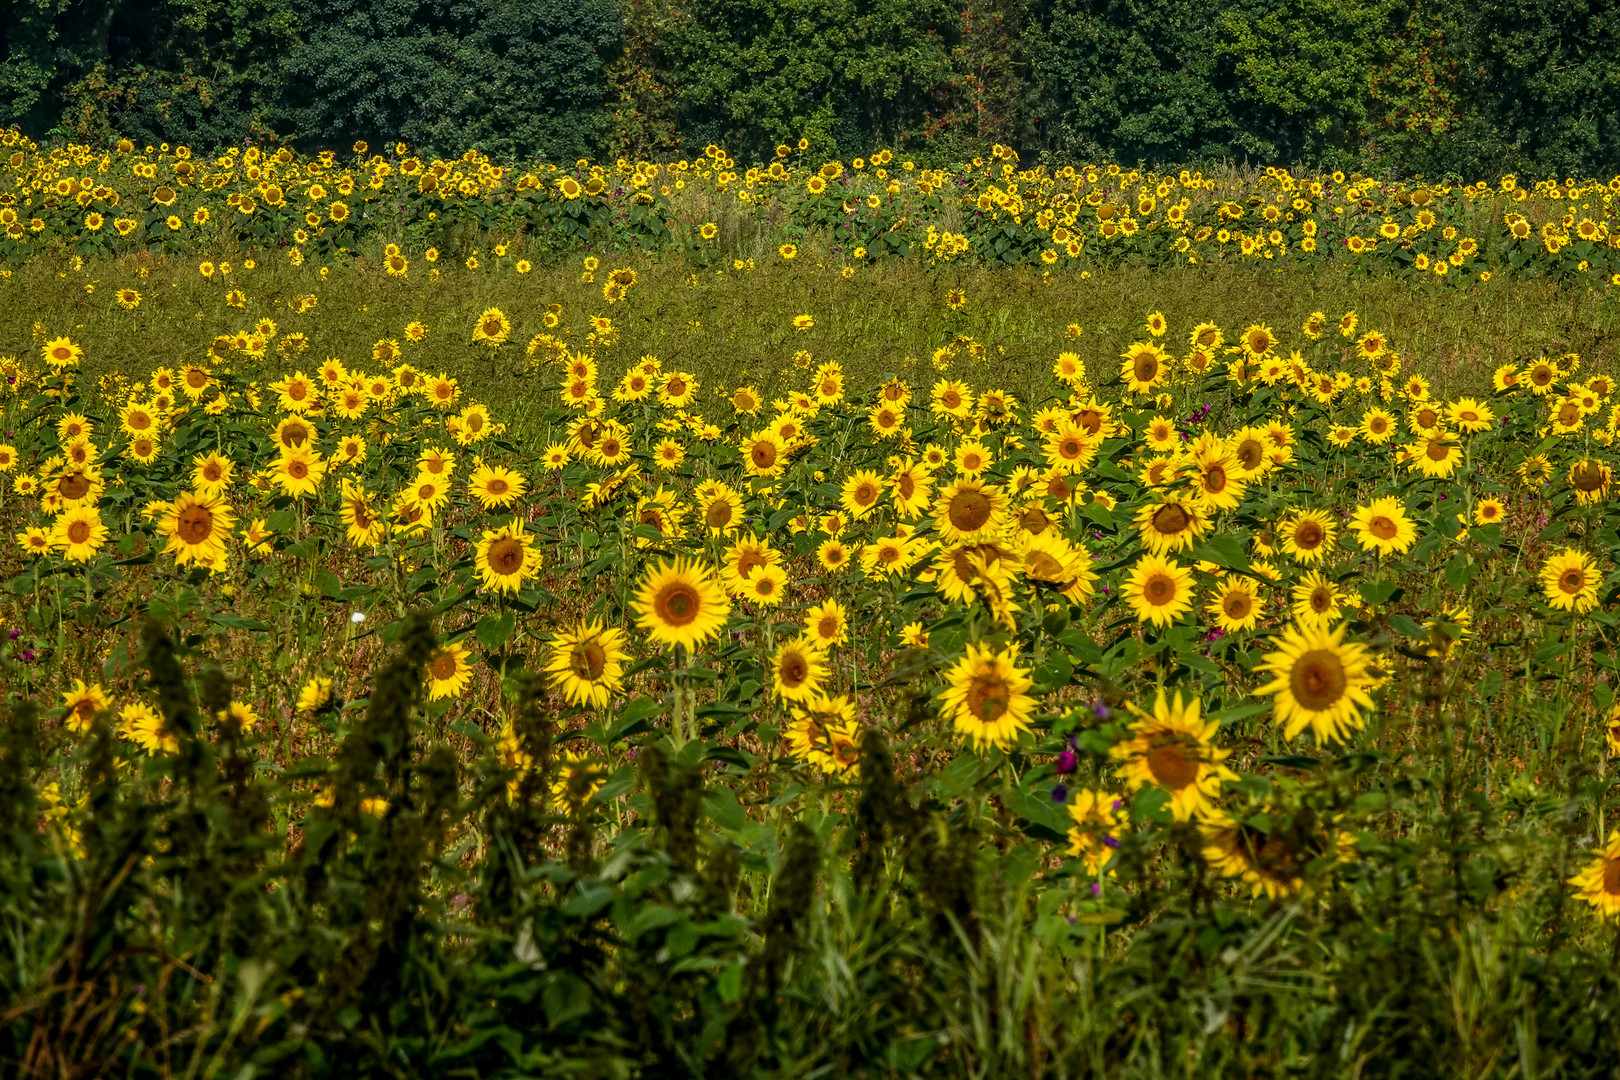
{"points": [[1316, 598], [1436, 456], [1143, 366], [827, 624], [911, 487], [1170, 524], [1599, 883], [1591, 480], [967, 510], [297, 393], [950, 398], [766, 586], [298, 472], [492, 327], [144, 726], [721, 509], [506, 558], [1236, 606], [1098, 817], [1320, 681], [1258, 340], [495, 486], [833, 555], [861, 493], [1217, 479], [78, 533], [1262, 851], [678, 390], [211, 474], [587, 663], [680, 603], [1489, 512], [798, 669], [973, 458], [1570, 581], [60, 353], [1158, 590], [364, 526], [198, 527], [294, 433], [82, 705], [1070, 448], [315, 695], [824, 733], [1307, 535], [1172, 749], [448, 672], [987, 697], [1383, 526], [1470, 416], [1161, 435], [763, 453]]}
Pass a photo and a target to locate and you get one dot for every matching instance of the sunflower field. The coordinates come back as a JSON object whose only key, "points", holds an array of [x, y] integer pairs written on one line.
{"points": [[1150, 695]]}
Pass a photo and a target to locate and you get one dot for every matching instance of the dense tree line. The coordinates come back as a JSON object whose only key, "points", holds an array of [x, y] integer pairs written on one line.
{"points": [[1427, 86]]}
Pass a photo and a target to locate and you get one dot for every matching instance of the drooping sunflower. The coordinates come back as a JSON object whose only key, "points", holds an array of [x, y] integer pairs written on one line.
{"points": [[1599, 882], [1320, 681], [910, 487], [448, 672], [1383, 526], [968, 510], [78, 533], [1158, 590], [198, 528], [680, 603], [1591, 480], [987, 697], [587, 663], [1570, 581], [1235, 607], [1173, 748], [798, 669], [506, 558]]}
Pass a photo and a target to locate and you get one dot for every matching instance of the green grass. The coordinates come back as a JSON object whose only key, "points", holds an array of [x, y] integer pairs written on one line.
{"points": [[736, 327]]}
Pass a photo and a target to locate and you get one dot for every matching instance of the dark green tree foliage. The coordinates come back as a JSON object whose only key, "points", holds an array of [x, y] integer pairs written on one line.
{"points": [[511, 77], [1429, 86], [845, 74]]}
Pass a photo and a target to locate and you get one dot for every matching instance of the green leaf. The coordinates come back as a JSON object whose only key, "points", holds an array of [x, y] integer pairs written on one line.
{"points": [[237, 622], [494, 631]]}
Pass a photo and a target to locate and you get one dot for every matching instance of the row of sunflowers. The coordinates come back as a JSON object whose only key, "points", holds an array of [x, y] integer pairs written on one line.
{"points": [[82, 200], [1163, 593]]}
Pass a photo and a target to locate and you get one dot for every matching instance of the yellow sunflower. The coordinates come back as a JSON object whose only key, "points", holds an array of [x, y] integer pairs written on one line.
{"points": [[448, 672], [1599, 883], [1158, 590], [587, 663], [1320, 682], [680, 603], [1383, 526], [198, 528], [1570, 581], [506, 558], [78, 533], [1172, 748], [987, 697]]}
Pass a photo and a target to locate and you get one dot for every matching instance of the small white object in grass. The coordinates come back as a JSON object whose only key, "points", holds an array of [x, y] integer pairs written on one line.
{"points": [[357, 616]]}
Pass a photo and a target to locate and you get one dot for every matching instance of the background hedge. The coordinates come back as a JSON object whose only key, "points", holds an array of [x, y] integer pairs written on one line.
{"points": [[1473, 88]]}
